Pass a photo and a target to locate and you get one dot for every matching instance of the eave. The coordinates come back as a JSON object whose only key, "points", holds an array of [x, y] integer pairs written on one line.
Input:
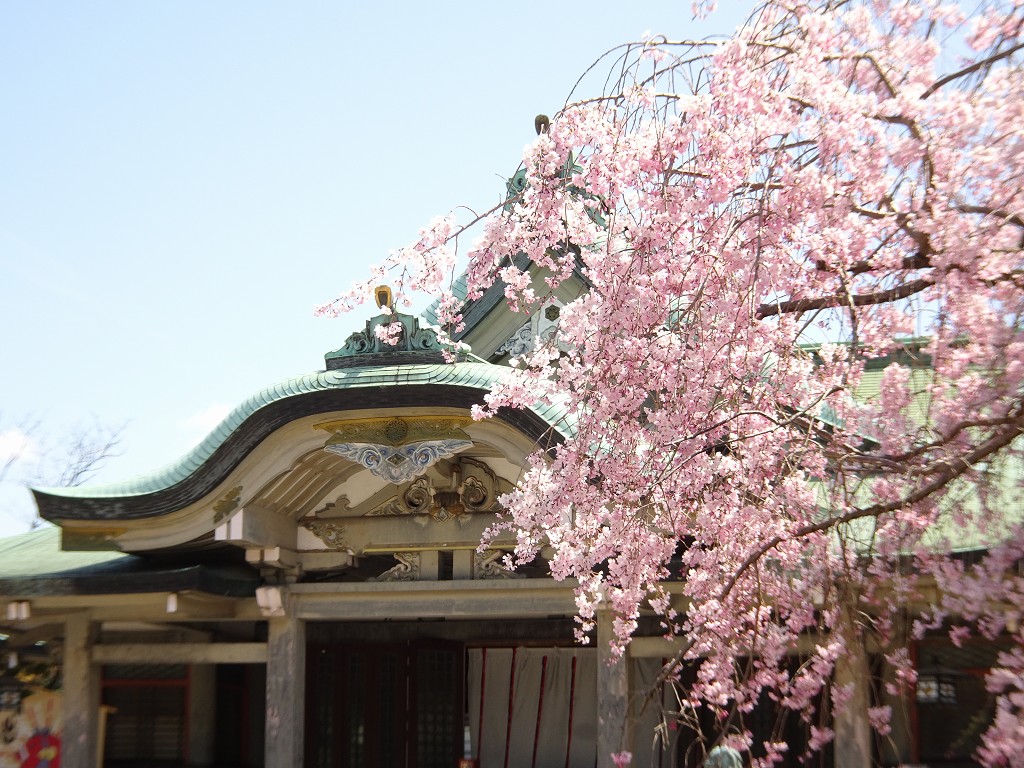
{"points": [[201, 471], [33, 565]]}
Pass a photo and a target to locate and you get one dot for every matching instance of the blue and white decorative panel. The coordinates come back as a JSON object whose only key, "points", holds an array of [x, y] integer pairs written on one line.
{"points": [[399, 464]]}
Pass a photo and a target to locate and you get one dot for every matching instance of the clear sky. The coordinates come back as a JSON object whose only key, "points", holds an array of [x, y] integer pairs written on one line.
{"points": [[180, 183]]}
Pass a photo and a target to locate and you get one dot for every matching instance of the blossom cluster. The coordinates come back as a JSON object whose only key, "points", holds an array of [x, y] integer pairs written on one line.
{"points": [[761, 223]]}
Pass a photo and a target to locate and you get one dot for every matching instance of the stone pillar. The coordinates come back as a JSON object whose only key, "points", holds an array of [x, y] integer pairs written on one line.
{"points": [[81, 695], [852, 727], [202, 702], [614, 729], [286, 692]]}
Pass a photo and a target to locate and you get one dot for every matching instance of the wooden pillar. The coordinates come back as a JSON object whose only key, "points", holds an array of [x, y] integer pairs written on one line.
{"points": [[202, 704], [614, 729], [286, 692], [898, 747], [852, 727], [81, 695]]}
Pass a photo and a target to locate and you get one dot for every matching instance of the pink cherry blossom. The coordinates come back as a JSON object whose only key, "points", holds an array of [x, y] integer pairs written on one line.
{"points": [[762, 223]]}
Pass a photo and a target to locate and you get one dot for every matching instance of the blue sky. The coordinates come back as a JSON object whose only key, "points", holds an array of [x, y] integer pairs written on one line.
{"points": [[180, 183]]}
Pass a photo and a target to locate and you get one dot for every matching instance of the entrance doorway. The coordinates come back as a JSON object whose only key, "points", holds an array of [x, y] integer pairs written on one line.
{"points": [[398, 705]]}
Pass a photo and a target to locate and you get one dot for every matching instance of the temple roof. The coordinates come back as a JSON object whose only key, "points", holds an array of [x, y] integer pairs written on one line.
{"points": [[33, 564], [395, 365], [458, 385]]}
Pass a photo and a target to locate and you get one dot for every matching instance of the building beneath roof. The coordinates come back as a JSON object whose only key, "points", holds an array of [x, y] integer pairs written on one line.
{"points": [[305, 589]]}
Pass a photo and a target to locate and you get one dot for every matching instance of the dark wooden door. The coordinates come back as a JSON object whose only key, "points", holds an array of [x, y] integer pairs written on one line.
{"points": [[384, 706], [436, 705]]}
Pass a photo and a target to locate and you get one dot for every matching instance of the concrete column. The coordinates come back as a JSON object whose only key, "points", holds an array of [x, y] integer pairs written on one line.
{"points": [[286, 692], [852, 727], [614, 729], [81, 695], [202, 701]]}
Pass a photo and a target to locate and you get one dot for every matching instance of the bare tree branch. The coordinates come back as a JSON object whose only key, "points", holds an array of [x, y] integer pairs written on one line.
{"points": [[975, 67], [842, 300]]}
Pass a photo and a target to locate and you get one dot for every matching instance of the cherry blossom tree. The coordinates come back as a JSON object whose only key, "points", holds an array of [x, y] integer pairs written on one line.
{"points": [[759, 220]]}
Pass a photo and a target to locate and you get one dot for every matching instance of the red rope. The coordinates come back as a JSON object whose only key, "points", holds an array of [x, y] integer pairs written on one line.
{"points": [[483, 698], [511, 691], [572, 702], [540, 708]]}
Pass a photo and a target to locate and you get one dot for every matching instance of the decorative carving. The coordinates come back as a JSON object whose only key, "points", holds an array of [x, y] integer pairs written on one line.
{"points": [[488, 565], [335, 508], [419, 496], [472, 488], [416, 499], [329, 533], [443, 515], [407, 569], [392, 506], [542, 326], [396, 430], [514, 188], [447, 505], [476, 496], [227, 504], [401, 464], [411, 337], [519, 343]]}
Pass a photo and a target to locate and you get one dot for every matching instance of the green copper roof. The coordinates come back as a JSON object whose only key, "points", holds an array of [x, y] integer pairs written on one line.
{"points": [[38, 552], [33, 564], [374, 386], [460, 292]]}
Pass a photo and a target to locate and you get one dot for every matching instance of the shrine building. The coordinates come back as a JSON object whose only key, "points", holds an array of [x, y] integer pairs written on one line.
{"points": [[306, 588]]}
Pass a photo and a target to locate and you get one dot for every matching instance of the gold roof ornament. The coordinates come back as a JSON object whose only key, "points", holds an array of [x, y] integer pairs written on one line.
{"points": [[384, 297]]}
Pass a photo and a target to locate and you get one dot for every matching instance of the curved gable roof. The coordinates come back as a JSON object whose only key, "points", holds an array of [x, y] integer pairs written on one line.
{"points": [[458, 385]]}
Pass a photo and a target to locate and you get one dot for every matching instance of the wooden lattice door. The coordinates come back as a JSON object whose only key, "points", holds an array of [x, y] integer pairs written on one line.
{"points": [[384, 706]]}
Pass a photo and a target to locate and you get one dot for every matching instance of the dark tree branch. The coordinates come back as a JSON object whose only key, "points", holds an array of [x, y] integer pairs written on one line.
{"points": [[948, 470], [978, 65], [842, 300]]}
